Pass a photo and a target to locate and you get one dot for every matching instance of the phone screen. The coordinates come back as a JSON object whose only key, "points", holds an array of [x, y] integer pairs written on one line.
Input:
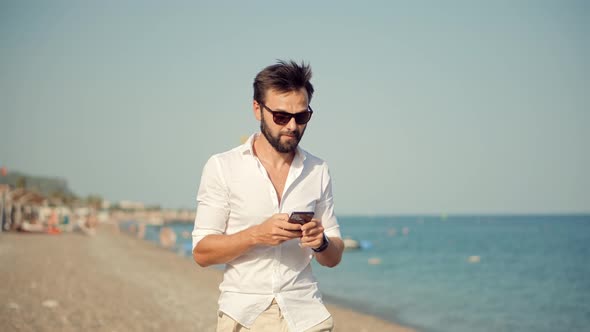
{"points": [[301, 217]]}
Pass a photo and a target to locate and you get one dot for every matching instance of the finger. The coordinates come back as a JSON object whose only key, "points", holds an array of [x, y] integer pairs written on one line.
{"points": [[314, 223], [280, 238], [310, 242], [289, 226], [309, 225], [281, 216], [288, 233], [313, 231], [312, 238]]}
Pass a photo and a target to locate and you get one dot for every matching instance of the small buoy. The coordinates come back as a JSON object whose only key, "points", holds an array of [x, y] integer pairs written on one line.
{"points": [[364, 244], [351, 244], [474, 259], [374, 261]]}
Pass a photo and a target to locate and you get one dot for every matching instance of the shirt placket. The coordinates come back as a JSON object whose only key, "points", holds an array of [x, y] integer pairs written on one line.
{"points": [[277, 208], [275, 274]]}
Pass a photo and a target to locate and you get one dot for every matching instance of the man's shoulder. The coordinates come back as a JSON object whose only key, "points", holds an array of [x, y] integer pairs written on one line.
{"points": [[230, 154], [312, 159]]}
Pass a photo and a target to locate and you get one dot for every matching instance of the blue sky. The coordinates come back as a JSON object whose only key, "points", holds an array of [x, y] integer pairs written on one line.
{"points": [[420, 106]]}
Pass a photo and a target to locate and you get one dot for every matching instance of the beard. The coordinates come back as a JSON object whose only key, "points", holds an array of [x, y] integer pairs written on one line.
{"points": [[275, 141]]}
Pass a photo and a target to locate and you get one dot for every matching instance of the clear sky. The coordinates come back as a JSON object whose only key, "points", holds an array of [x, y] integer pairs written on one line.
{"points": [[420, 106]]}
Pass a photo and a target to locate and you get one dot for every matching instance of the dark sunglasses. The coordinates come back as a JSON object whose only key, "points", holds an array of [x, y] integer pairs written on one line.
{"points": [[282, 118]]}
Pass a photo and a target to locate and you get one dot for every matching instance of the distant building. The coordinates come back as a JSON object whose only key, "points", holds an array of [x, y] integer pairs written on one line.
{"points": [[129, 205], [105, 205]]}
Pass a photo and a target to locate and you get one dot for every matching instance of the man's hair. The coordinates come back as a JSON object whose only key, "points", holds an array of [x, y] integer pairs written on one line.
{"points": [[283, 77]]}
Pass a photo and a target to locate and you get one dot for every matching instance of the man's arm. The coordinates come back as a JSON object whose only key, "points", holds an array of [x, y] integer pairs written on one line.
{"points": [[333, 254], [221, 248], [313, 232]]}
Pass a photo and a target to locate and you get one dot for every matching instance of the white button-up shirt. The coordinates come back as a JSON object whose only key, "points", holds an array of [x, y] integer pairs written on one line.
{"points": [[236, 193]]}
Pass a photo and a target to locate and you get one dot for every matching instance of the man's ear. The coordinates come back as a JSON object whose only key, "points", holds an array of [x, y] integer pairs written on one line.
{"points": [[256, 108]]}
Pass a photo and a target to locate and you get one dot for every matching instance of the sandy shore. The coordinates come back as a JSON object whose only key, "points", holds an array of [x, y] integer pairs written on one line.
{"points": [[113, 282]]}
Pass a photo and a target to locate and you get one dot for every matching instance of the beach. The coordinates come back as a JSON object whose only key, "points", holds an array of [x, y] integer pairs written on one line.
{"points": [[115, 282]]}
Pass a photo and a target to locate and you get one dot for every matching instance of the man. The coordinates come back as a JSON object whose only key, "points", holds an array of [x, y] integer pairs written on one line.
{"points": [[244, 201]]}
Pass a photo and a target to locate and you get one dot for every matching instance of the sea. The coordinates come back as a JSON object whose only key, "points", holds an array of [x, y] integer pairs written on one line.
{"points": [[459, 273]]}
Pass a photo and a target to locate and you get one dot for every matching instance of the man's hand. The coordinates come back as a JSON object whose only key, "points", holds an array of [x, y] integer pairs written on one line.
{"points": [[313, 234], [276, 230]]}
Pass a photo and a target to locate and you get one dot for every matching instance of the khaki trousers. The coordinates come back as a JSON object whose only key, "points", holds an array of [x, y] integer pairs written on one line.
{"points": [[271, 320]]}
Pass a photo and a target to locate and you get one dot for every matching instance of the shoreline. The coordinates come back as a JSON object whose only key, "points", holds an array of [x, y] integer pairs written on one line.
{"points": [[116, 282], [332, 302]]}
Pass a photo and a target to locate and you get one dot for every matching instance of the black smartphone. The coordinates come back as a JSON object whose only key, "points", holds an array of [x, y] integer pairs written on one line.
{"points": [[301, 217]]}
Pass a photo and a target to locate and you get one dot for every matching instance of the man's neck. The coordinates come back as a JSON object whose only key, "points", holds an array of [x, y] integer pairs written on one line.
{"points": [[269, 155]]}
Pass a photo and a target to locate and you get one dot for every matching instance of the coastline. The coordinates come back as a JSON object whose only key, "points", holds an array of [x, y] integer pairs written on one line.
{"points": [[115, 282]]}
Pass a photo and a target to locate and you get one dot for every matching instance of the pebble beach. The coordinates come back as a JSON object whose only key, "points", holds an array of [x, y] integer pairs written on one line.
{"points": [[114, 282]]}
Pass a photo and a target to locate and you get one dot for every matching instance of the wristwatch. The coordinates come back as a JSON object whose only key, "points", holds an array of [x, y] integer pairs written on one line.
{"points": [[324, 245]]}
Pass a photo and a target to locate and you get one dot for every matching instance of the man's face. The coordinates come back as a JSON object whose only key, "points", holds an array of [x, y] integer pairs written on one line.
{"points": [[284, 138]]}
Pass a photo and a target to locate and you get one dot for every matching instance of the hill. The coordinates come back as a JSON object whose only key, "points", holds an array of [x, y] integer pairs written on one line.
{"points": [[45, 185]]}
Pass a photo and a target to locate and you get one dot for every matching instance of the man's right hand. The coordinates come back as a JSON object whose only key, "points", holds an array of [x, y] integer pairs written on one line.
{"points": [[276, 230]]}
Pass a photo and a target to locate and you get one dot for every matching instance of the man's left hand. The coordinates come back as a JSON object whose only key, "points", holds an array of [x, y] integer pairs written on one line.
{"points": [[312, 234]]}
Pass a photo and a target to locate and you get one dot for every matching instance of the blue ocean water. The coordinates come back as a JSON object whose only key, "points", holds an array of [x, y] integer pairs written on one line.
{"points": [[526, 273]]}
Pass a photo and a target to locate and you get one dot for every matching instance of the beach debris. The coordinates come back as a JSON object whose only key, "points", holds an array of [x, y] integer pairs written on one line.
{"points": [[473, 259], [374, 261], [405, 230], [13, 305], [50, 303], [392, 231]]}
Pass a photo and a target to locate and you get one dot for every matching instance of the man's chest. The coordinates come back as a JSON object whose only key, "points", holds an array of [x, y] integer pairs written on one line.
{"points": [[259, 194], [278, 179]]}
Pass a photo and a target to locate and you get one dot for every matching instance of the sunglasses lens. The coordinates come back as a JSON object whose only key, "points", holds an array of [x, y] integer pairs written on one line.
{"points": [[303, 117], [281, 118]]}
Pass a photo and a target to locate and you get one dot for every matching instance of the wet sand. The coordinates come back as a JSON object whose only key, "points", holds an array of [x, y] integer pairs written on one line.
{"points": [[114, 282]]}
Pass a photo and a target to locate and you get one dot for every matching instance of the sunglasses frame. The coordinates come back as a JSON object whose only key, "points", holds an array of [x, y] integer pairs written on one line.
{"points": [[287, 114]]}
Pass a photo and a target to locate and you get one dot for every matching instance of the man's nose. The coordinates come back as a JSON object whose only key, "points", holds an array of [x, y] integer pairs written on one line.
{"points": [[291, 125]]}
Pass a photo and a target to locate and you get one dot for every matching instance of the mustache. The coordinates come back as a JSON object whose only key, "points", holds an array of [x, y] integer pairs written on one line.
{"points": [[295, 133]]}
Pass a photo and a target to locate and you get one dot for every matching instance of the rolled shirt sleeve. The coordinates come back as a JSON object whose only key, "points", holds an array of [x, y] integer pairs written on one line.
{"points": [[325, 206], [212, 202]]}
